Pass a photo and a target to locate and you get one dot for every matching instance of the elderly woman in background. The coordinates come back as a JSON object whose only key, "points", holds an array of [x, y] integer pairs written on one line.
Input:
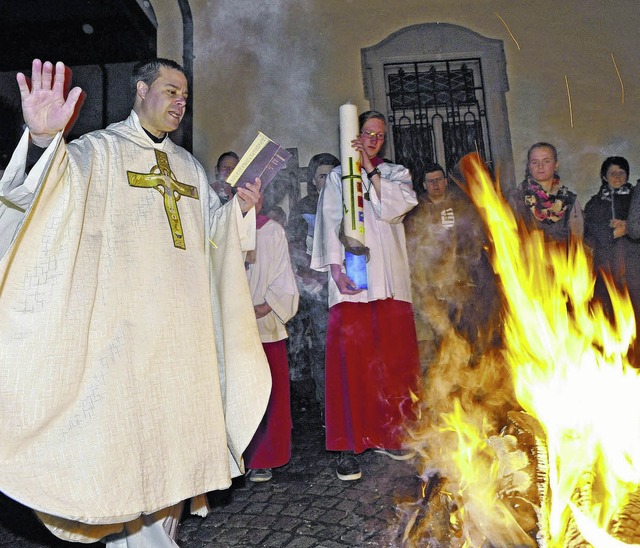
{"points": [[612, 231], [542, 201]]}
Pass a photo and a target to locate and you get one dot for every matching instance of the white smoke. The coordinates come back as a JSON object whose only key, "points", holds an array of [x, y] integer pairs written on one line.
{"points": [[249, 44]]}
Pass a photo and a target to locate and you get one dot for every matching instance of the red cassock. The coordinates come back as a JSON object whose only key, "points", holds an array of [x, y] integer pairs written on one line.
{"points": [[372, 365], [271, 444]]}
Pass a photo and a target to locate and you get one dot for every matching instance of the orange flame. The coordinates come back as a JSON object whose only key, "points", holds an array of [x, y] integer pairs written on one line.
{"points": [[483, 515], [569, 366]]}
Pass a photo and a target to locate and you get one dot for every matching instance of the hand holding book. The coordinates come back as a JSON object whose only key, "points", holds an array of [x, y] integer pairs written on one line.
{"points": [[263, 159]]}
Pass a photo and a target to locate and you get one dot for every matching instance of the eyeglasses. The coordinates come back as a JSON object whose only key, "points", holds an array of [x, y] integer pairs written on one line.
{"points": [[617, 174], [373, 135], [434, 181]]}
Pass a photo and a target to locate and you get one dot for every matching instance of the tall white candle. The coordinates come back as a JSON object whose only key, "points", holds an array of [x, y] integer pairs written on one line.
{"points": [[352, 198], [352, 193]]}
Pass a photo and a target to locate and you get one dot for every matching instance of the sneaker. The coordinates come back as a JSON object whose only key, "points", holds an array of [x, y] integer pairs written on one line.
{"points": [[259, 475], [396, 454], [348, 468]]}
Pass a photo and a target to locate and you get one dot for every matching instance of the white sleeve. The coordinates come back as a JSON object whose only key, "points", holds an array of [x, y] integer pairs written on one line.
{"points": [[327, 248], [18, 190], [282, 291], [16, 187], [245, 224], [398, 196]]}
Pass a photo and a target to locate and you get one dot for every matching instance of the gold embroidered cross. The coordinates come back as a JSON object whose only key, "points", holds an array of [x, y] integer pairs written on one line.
{"points": [[164, 181]]}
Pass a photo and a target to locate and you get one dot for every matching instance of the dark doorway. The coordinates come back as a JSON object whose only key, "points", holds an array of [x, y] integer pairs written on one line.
{"points": [[99, 39]]}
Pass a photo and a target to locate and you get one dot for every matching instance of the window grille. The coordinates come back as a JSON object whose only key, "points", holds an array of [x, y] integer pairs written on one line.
{"points": [[436, 113]]}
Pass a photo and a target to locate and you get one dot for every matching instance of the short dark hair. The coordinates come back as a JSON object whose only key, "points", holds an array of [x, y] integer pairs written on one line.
{"points": [[430, 168], [230, 154], [368, 115], [147, 71], [322, 159], [613, 161]]}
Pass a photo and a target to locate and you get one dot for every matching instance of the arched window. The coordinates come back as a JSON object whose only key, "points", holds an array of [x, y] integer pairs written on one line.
{"points": [[443, 90]]}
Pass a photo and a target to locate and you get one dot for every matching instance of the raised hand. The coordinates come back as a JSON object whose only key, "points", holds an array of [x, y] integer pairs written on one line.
{"points": [[359, 146], [45, 108]]}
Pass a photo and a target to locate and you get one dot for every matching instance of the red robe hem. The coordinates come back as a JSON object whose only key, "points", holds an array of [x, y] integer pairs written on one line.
{"points": [[372, 365], [271, 444]]}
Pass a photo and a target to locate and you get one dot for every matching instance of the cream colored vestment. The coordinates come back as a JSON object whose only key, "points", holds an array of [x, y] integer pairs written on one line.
{"points": [[131, 372]]}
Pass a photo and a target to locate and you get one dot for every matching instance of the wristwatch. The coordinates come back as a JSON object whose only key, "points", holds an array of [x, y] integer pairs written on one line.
{"points": [[374, 171]]}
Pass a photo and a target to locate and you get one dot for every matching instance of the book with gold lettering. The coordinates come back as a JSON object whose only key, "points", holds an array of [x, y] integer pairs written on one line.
{"points": [[264, 158]]}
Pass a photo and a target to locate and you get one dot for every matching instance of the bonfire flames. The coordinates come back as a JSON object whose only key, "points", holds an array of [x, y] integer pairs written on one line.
{"points": [[537, 443]]}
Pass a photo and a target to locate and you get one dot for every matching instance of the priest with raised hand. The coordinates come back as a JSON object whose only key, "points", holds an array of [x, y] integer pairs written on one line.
{"points": [[132, 376]]}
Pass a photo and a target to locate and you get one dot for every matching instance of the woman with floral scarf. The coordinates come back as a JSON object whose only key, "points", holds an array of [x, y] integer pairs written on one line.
{"points": [[605, 218], [542, 201]]}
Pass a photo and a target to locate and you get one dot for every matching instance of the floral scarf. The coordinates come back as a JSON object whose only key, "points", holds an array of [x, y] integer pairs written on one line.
{"points": [[547, 208]]}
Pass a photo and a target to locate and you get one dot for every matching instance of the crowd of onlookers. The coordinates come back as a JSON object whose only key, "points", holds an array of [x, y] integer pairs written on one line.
{"points": [[428, 272]]}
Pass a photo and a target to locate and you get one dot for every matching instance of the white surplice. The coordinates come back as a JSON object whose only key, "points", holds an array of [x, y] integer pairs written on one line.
{"points": [[132, 375], [388, 267], [271, 280]]}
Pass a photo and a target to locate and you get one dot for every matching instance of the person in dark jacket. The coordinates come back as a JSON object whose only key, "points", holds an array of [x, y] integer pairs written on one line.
{"points": [[308, 328], [452, 283], [605, 219]]}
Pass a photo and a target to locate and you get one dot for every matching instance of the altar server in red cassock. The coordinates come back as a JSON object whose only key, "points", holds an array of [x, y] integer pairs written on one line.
{"points": [[275, 300], [372, 355]]}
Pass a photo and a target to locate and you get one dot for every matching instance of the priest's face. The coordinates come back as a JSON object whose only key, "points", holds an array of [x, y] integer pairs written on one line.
{"points": [[161, 105]]}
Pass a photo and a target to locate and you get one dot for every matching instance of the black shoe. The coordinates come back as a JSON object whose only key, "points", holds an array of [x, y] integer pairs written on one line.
{"points": [[348, 468]]}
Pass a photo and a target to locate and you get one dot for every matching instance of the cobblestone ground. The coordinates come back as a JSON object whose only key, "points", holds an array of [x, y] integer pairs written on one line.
{"points": [[305, 505]]}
